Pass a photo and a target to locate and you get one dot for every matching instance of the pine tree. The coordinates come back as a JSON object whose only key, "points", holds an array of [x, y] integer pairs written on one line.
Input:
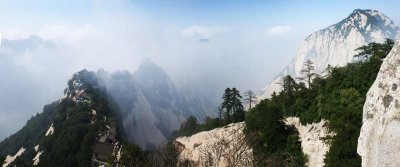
{"points": [[234, 110], [227, 103], [289, 87], [328, 70], [250, 98], [375, 50], [308, 72], [238, 109], [220, 111]]}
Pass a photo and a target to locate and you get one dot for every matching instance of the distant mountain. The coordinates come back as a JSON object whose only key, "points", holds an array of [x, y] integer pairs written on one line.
{"points": [[20, 45], [336, 44], [151, 106], [143, 108]]}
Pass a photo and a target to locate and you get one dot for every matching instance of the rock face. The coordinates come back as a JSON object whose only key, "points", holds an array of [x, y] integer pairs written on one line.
{"points": [[220, 143], [151, 107], [379, 141], [311, 143], [220, 147], [336, 44], [10, 159]]}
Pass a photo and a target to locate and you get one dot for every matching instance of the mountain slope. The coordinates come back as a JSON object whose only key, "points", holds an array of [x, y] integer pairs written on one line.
{"points": [[144, 108], [151, 107], [65, 132], [336, 44]]}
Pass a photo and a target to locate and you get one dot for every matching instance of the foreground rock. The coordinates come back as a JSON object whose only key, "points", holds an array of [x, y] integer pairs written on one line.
{"points": [[311, 140], [226, 146], [379, 141], [220, 147]]}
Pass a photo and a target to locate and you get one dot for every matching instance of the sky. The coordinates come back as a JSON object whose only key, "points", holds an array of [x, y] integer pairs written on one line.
{"points": [[206, 44]]}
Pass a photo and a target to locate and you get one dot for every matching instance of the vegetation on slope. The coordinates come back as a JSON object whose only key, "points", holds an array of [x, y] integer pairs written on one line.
{"points": [[74, 135], [338, 97], [231, 110], [274, 143]]}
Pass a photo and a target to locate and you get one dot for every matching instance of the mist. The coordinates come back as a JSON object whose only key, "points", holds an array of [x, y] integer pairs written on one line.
{"points": [[44, 44]]}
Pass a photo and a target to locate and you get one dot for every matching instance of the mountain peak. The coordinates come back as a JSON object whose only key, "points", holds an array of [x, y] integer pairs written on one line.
{"points": [[336, 44], [368, 12], [363, 10], [147, 63], [148, 70], [78, 83], [366, 21]]}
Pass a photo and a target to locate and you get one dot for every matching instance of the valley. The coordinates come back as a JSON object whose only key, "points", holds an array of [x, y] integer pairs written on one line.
{"points": [[187, 101]]}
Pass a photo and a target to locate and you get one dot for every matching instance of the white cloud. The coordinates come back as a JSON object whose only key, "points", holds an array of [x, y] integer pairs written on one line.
{"points": [[203, 32], [13, 33], [119, 41], [67, 33], [279, 30]]}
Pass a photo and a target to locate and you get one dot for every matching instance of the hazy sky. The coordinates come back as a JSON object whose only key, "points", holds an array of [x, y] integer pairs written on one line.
{"points": [[207, 43]]}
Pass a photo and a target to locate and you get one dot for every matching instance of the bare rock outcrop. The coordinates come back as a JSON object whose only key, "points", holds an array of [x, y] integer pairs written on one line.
{"points": [[379, 140], [225, 146], [311, 140]]}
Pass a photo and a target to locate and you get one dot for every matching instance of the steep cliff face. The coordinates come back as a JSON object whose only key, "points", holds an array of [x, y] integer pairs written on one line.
{"points": [[336, 44], [378, 143], [151, 107], [311, 140]]}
